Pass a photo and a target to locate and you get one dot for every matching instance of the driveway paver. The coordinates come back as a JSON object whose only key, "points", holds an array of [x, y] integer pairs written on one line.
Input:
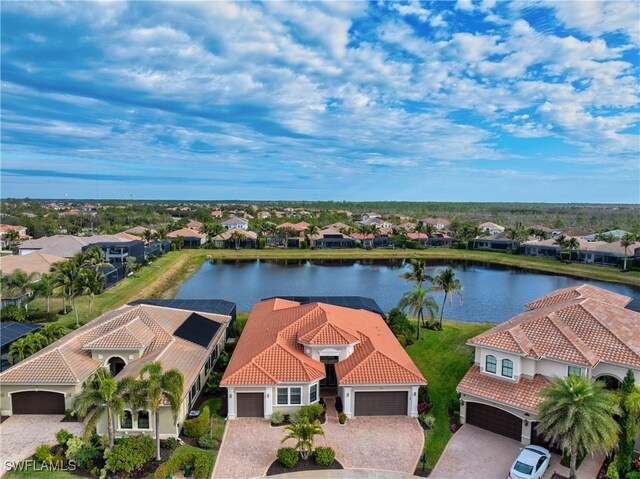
{"points": [[21, 434], [374, 443]]}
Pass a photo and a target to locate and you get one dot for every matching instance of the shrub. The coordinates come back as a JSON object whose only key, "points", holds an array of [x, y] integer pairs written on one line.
{"points": [[402, 340], [36, 316], [424, 407], [462, 245], [427, 420], [207, 442], [325, 456], [82, 454], [342, 418], [42, 452], [312, 411], [612, 471], [632, 475], [454, 403], [212, 386], [170, 443], [295, 416], [198, 426], [62, 436], [423, 394], [288, 457], [277, 417], [11, 312], [74, 444], [130, 454], [410, 244], [183, 456]]}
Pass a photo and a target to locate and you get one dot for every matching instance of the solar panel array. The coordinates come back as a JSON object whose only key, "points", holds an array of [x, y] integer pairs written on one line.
{"points": [[355, 302], [10, 331], [197, 329]]}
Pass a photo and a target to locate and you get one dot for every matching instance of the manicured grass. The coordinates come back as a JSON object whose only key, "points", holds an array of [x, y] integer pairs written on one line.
{"points": [[444, 358], [39, 475], [186, 449]]}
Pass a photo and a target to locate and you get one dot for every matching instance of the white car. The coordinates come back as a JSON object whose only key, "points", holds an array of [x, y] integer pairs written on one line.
{"points": [[531, 463]]}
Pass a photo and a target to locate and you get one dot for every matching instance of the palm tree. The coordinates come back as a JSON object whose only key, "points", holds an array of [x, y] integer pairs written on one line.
{"points": [[627, 240], [21, 283], [45, 288], [11, 237], [91, 283], [66, 280], [417, 301], [574, 245], [576, 414], [420, 227], [161, 386], [303, 432], [447, 282], [417, 273], [92, 257], [237, 238], [146, 235], [53, 332], [629, 397], [429, 229], [102, 394], [561, 241], [35, 342], [285, 234], [18, 350]]}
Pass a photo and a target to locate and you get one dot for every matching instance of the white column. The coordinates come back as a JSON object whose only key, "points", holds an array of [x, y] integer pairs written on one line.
{"points": [[413, 401], [231, 407], [525, 437], [463, 409], [268, 402], [347, 401]]}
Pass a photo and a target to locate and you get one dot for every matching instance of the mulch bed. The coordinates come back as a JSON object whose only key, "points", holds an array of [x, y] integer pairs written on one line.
{"points": [[422, 472], [558, 476], [70, 419], [191, 441], [308, 465], [286, 422]]}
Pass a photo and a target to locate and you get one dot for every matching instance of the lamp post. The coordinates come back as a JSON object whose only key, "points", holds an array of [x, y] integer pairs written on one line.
{"points": [[423, 459]]}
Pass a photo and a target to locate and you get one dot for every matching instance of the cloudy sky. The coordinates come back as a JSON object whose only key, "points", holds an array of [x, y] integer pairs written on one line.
{"points": [[464, 101]]}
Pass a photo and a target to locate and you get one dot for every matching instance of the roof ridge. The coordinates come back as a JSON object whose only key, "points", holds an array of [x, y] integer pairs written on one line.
{"points": [[570, 336], [114, 331], [395, 362], [73, 375]]}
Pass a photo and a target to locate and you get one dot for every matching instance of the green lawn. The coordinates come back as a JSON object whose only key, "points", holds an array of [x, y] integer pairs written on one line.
{"points": [[39, 475], [444, 358]]}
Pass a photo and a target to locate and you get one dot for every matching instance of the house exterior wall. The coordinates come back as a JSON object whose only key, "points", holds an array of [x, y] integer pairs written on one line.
{"points": [[619, 372], [168, 427], [103, 355], [500, 356], [341, 350], [69, 392]]}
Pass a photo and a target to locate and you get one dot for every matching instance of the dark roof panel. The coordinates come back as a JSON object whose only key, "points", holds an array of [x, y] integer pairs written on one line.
{"points": [[198, 330]]}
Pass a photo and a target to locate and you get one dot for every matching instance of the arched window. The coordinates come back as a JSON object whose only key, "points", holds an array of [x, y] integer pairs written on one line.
{"points": [[507, 368], [116, 364], [490, 364]]}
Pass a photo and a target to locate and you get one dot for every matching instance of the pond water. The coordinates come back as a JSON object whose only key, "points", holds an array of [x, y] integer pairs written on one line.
{"points": [[492, 293]]}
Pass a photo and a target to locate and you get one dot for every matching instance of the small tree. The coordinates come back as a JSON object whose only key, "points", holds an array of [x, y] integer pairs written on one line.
{"points": [[447, 282], [303, 432], [628, 422], [416, 302], [45, 289], [11, 238], [627, 240]]}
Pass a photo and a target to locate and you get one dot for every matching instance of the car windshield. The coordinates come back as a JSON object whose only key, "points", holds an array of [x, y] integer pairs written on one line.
{"points": [[522, 467]]}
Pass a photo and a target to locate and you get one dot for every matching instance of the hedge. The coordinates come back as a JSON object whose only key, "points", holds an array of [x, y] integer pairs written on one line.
{"points": [[181, 458], [198, 426], [130, 453]]}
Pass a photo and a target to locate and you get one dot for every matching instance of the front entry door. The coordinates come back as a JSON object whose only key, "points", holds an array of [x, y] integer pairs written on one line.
{"points": [[330, 381]]}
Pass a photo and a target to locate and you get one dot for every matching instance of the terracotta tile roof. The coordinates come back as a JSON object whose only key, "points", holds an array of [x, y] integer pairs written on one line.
{"points": [[417, 236], [138, 230], [583, 325], [35, 262], [226, 235], [128, 236], [121, 338], [185, 233], [269, 350], [525, 394], [59, 371]]}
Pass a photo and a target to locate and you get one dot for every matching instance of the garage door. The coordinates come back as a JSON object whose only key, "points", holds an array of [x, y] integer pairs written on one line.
{"points": [[250, 404], [381, 403], [41, 402], [494, 420]]}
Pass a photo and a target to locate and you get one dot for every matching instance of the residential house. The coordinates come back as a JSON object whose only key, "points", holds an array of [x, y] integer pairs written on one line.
{"points": [[581, 330], [194, 225], [128, 236], [216, 213], [263, 215], [491, 228], [331, 238], [615, 234], [592, 252], [22, 231], [571, 232], [66, 246], [226, 240], [236, 223], [290, 352], [498, 242], [10, 332], [364, 240], [437, 223], [36, 263], [299, 229], [441, 240], [119, 252], [421, 238], [375, 221], [123, 341], [192, 238], [139, 231]]}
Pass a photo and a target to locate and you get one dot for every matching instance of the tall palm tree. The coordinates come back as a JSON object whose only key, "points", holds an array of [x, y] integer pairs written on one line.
{"points": [[66, 280], [303, 432], [237, 238], [417, 301], [159, 385], [19, 282], [627, 240], [45, 288], [146, 235], [561, 241], [447, 282], [53, 332], [35, 342], [574, 245], [417, 273], [629, 397], [576, 415], [92, 257], [101, 394], [91, 284]]}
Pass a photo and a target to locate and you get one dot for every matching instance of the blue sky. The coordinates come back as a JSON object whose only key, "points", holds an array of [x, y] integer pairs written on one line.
{"points": [[453, 101]]}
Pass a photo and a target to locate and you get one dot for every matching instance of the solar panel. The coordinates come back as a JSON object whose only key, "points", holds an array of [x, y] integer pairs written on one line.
{"points": [[354, 302], [197, 329]]}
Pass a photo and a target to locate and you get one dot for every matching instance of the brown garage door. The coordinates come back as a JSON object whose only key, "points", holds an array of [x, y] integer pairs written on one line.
{"points": [[250, 404], [382, 403], [41, 402], [494, 420]]}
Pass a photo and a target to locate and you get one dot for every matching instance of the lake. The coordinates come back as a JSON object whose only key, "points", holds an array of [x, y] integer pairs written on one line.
{"points": [[492, 293]]}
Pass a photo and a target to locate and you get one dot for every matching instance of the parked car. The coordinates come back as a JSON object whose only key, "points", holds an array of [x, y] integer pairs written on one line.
{"points": [[530, 463]]}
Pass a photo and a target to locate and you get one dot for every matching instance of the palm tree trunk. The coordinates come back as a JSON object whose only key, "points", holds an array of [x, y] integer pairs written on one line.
{"points": [[75, 310], [48, 304], [444, 301], [157, 426], [110, 427], [572, 465], [90, 302], [64, 304], [625, 261]]}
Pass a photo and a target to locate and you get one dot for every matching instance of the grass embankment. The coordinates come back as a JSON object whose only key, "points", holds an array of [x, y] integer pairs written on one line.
{"points": [[444, 358]]}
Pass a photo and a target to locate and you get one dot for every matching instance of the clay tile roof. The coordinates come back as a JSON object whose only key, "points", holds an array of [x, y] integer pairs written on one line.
{"points": [[328, 333], [583, 325], [524, 394], [121, 338], [58, 371], [185, 233]]}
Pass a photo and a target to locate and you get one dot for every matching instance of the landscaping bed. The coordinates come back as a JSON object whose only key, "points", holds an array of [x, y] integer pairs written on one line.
{"points": [[308, 465]]}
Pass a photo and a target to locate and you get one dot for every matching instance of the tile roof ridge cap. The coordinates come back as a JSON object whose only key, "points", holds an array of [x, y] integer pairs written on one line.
{"points": [[396, 362], [573, 338], [254, 363], [122, 326], [518, 327], [67, 365], [74, 334]]}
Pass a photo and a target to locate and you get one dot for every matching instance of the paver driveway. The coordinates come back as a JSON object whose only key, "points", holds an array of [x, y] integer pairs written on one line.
{"points": [[21, 434], [382, 443], [475, 453]]}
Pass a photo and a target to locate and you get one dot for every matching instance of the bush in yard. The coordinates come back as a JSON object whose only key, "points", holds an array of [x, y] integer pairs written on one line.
{"points": [[170, 443], [423, 394], [83, 455], [178, 460], [62, 436], [427, 420], [277, 417], [632, 475], [342, 418], [198, 426], [612, 471], [312, 411], [207, 442], [42, 452], [295, 416], [288, 457], [130, 454], [424, 407], [325, 456]]}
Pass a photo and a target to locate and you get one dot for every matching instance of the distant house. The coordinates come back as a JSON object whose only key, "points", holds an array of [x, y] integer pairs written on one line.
{"points": [[331, 238], [593, 252], [491, 228], [35, 263], [437, 223], [118, 252], [366, 241], [128, 236], [615, 234], [216, 213], [22, 231], [421, 238], [375, 221], [572, 232], [191, 238], [139, 231], [226, 240], [299, 227], [236, 223], [65, 246], [441, 240], [493, 243], [194, 225], [263, 215]]}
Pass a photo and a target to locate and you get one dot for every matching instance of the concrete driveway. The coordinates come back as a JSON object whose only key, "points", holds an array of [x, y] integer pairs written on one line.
{"points": [[389, 443], [21, 434], [475, 453]]}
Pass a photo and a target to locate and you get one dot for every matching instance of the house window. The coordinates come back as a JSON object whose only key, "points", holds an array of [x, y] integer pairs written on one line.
{"points": [[313, 393], [507, 368], [490, 364], [575, 370], [283, 395], [295, 395], [193, 392], [126, 421], [143, 419]]}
